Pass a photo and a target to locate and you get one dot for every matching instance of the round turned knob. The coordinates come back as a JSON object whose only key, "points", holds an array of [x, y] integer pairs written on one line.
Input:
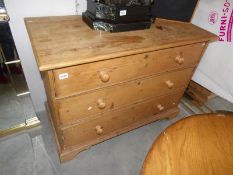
{"points": [[99, 129], [169, 84], [101, 104], [179, 59], [160, 107], [104, 76]]}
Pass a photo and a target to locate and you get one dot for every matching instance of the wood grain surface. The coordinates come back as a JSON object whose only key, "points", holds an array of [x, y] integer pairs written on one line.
{"points": [[68, 154], [198, 145], [83, 78], [101, 84], [66, 41], [112, 121], [78, 107]]}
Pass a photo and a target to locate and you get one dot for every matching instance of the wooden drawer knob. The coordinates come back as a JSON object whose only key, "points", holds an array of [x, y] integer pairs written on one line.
{"points": [[101, 104], [99, 129], [179, 59], [169, 84], [104, 76], [160, 107]]}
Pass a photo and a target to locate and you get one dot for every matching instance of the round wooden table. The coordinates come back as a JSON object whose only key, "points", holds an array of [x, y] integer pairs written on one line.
{"points": [[197, 145]]}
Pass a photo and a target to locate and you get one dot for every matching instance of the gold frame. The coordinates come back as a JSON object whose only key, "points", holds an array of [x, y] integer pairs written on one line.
{"points": [[29, 123]]}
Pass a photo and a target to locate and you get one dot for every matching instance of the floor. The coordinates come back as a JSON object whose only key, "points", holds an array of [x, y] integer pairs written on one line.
{"points": [[33, 152], [14, 109]]}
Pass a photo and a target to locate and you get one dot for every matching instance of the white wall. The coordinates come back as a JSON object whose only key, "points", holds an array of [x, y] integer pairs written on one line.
{"points": [[18, 9]]}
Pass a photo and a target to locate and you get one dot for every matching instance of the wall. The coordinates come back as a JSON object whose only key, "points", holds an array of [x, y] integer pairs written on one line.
{"points": [[18, 9]]}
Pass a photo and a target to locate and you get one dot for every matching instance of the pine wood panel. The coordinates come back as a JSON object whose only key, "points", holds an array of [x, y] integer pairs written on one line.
{"points": [[124, 73], [85, 77], [70, 153], [66, 41], [201, 145], [49, 89], [75, 108], [106, 123]]}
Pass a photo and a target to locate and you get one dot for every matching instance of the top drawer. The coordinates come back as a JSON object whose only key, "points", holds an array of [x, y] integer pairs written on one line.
{"points": [[73, 80]]}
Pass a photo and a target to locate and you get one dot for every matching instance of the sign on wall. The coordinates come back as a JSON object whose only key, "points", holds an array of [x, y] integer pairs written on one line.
{"points": [[215, 71]]}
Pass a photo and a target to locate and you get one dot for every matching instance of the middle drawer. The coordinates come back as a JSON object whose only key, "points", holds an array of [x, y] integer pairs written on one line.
{"points": [[72, 109]]}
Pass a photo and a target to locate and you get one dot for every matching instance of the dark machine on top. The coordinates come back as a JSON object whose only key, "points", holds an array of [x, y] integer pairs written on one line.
{"points": [[118, 15], [126, 15]]}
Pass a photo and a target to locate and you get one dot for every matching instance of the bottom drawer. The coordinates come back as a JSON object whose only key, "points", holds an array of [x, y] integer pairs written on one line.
{"points": [[95, 128]]}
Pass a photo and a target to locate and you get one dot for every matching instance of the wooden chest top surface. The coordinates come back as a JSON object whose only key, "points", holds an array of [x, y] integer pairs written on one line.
{"points": [[66, 41]]}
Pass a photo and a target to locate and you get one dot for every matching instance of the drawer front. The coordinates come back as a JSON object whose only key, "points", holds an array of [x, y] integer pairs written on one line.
{"points": [[75, 108], [107, 123], [77, 79]]}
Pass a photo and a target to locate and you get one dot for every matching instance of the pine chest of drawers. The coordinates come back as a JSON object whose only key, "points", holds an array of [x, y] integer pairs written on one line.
{"points": [[100, 85]]}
